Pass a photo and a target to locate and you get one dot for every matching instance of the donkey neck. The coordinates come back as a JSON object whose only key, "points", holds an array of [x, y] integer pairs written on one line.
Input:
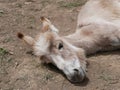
{"points": [[85, 43]]}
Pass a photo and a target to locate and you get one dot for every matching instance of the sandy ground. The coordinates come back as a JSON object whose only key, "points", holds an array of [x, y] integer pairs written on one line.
{"points": [[20, 70]]}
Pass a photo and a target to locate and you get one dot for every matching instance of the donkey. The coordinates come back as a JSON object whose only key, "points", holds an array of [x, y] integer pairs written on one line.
{"points": [[98, 29]]}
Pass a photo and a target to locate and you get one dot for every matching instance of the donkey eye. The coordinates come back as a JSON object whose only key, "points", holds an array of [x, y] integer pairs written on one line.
{"points": [[60, 46]]}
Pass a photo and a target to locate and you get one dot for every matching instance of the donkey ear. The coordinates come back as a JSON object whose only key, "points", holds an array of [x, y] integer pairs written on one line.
{"points": [[29, 40], [48, 25]]}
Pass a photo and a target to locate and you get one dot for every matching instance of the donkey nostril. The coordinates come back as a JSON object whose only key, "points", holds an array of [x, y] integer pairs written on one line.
{"points": [[76, 70]]}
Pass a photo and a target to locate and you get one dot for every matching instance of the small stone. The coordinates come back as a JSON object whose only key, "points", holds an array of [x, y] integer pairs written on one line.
{"points": [[11, 53]]}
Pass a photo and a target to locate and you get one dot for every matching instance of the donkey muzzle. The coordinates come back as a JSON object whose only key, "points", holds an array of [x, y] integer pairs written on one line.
{"points": [[78, 76]]}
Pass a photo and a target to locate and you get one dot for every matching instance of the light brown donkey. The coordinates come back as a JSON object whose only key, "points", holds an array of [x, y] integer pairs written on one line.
{"points": [[98, 29]]}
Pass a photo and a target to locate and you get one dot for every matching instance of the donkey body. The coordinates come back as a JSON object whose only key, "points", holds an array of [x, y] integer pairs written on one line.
{"points": [[97, 29]]}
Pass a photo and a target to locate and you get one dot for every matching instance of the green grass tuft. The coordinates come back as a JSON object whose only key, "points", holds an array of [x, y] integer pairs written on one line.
{"points": [[2, 12], [3, 51], [48, 76]]}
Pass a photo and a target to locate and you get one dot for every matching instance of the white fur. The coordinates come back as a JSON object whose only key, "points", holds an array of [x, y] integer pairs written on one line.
{"points": [[54, 29], [67, 66], [41, 46]]}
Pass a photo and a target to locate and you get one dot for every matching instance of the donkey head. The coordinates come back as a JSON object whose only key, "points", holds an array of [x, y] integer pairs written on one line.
{"points": [[52, 48]]}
